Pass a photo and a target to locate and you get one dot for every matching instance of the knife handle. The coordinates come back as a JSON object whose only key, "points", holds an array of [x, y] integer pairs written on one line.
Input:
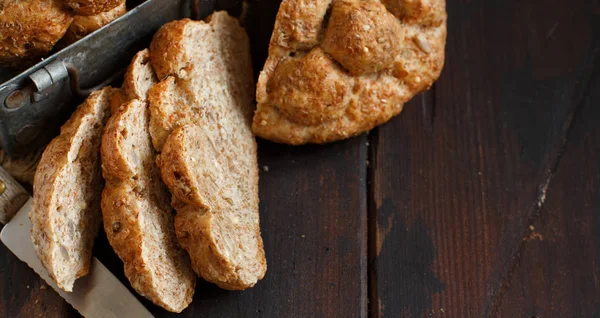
{"points": [[12, 196]]}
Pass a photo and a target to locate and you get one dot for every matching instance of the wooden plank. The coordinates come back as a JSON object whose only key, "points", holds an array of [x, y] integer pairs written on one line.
{"points": [[313, 219], [558, 271], [24, 294], [452, 191]]}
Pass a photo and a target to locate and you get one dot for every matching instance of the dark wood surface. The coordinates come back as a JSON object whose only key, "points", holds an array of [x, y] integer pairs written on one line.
{"points": [[482, 199]]}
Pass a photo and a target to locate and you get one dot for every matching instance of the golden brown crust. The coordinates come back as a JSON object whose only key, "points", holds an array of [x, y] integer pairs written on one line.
{"points": [[29, 29], [65, 211], [373, 56], [140, 77], [84, 25], [167, 49], [92, 7]]}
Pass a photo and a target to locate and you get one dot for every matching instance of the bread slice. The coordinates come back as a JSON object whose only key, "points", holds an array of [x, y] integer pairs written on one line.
{"points": [[135, 203], [137, 217], [65, 212], [139, 77], [201, 117], [197, 78], [214, 179]]}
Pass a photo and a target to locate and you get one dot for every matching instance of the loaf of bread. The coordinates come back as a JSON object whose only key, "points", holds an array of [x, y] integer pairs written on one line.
{"points": [[29, 29], [65, 211], [337, 68], [83, 25], [138, 219], [201, 120]]}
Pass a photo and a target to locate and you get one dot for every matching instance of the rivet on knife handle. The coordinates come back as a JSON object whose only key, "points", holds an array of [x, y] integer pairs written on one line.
{"points": [[12, 196]]}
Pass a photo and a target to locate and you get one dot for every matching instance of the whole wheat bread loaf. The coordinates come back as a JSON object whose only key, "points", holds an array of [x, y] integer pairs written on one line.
{"points": [[201, 115], [135, 203], [65, 212]]}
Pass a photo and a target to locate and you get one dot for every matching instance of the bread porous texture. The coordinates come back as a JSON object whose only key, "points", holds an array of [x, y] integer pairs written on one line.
{"points": [[200, 118], [65, 211], [138, 219]]}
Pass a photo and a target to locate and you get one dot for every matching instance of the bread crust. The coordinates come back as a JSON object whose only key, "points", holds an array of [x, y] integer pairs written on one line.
{"points": [[373, 55], [92, 7], [140, 77], [29, 29], [84, 25], [65, 211], [201, 121]]}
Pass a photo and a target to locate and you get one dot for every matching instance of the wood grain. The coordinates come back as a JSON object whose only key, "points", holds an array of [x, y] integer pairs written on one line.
{"points": [[313, 221], [451, 195], [12, 196], [557, 273]]}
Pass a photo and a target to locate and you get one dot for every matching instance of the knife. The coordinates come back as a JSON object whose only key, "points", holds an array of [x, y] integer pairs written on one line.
{"points": [[98, 294]]}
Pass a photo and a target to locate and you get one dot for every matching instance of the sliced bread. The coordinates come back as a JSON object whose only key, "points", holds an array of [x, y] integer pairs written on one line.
{"points": [[201, 115], [137, 217], [203, 67], [215, 189], [65, 212], [135, 203]]}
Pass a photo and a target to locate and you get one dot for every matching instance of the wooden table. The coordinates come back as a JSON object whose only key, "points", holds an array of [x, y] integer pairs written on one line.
{"points": [[481, 199]]}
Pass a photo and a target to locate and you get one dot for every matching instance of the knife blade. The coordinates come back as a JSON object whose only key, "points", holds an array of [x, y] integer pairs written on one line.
{"points": [[98, 294]]}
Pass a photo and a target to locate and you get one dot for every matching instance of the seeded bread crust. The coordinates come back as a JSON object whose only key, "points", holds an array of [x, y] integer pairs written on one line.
{"points": [[138, 219], [92, 7], [201, 120], [337, 68], [29, 29], [84, 25], [65, 211]]}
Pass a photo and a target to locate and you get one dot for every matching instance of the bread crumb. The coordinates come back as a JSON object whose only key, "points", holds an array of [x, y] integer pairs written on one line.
{"points": [[366, 49], [531, 227], [36, 301], [366, 27], [442, 310], [27, 286], [367, 144], [534, 236], [263, 122], [303, 236], [266, 168], [43, 287]]}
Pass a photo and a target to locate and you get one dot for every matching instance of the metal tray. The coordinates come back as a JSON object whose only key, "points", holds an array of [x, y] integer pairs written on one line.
{"points": [[34, 103]]}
